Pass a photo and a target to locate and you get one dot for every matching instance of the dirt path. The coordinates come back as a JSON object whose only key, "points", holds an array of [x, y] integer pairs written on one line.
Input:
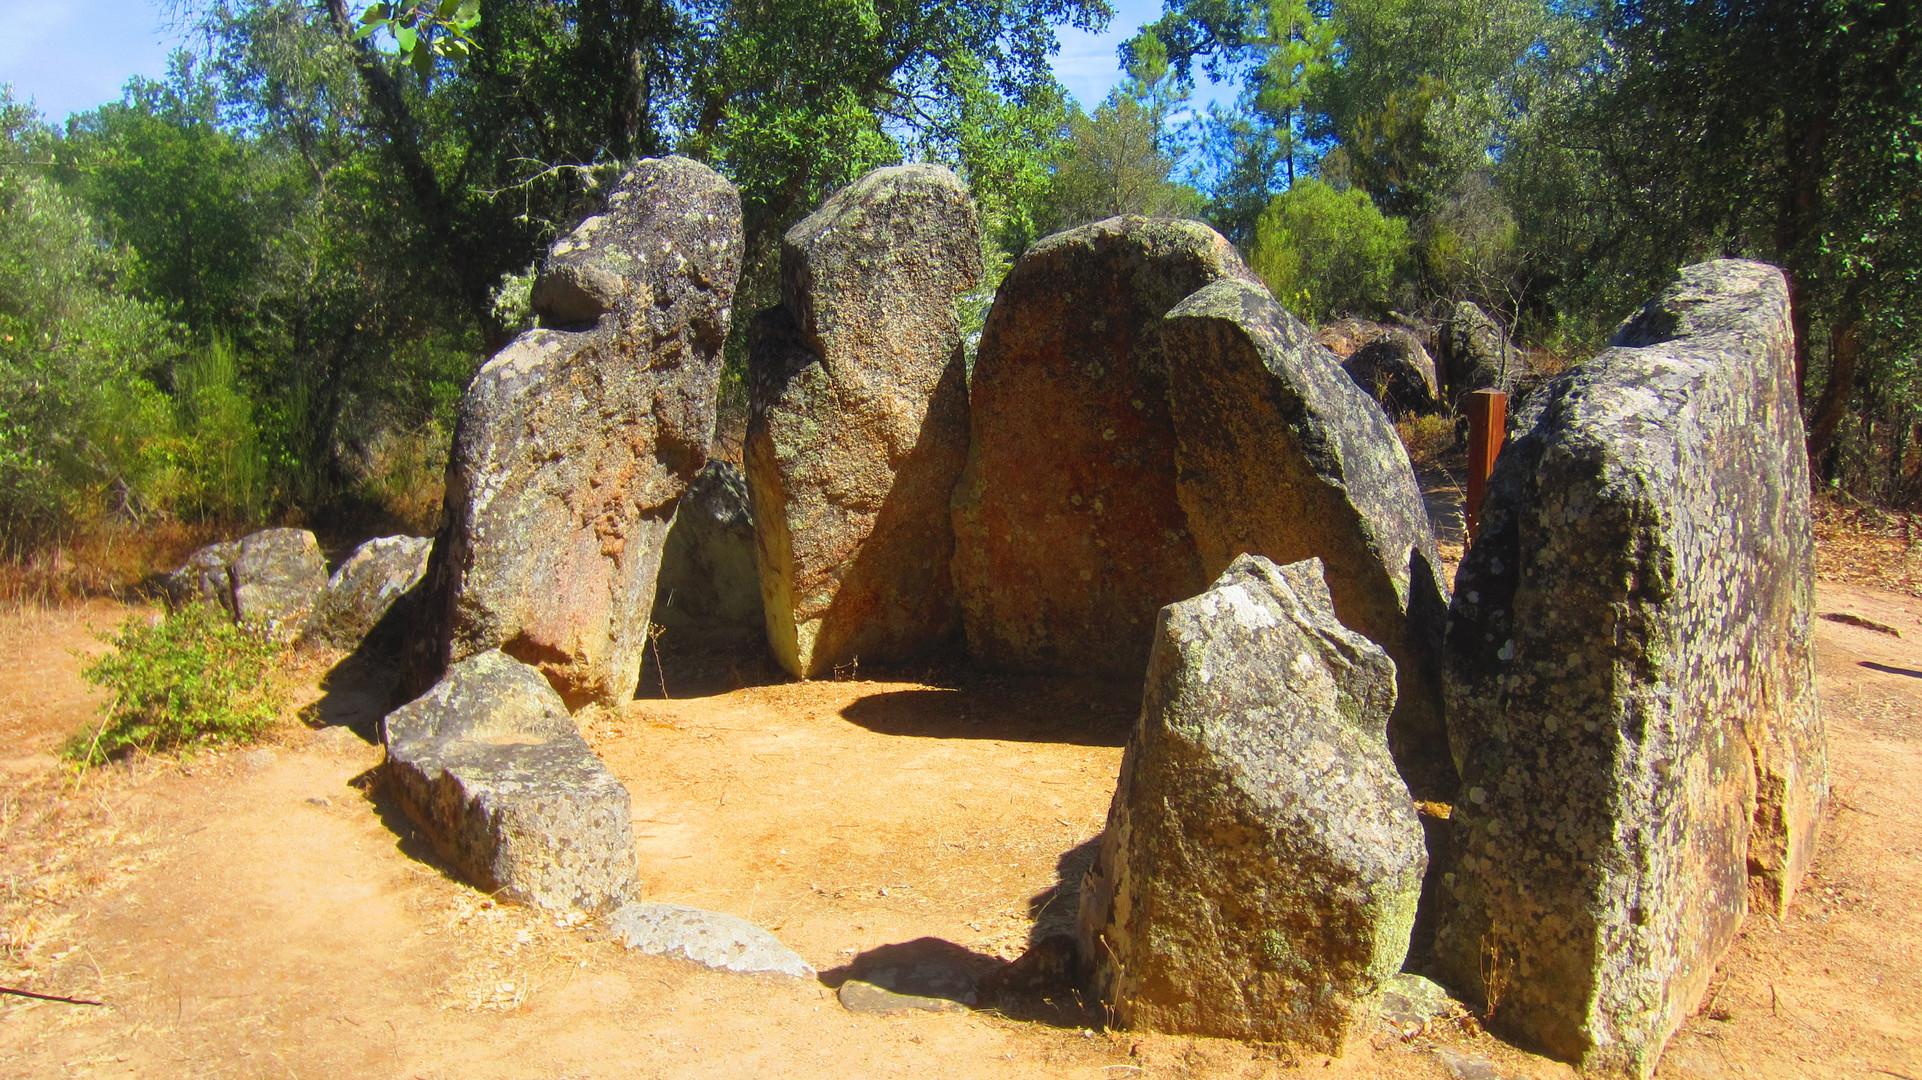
{"points": [[266, 914]]}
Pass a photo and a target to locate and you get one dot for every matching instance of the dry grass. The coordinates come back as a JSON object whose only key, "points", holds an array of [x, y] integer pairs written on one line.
{"points": [[1863, 545], [110, 561]]}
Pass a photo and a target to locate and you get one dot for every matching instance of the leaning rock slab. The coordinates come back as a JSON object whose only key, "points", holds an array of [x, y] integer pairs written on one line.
{"points": [[575, 442], [206, 577], [1068, 533], [1397, 372], [710, 573], [1262, 863], [717, 940], [492, 768], [1630, 680], [858, 425], [1281, 455], [377, 574], [278, 576]]}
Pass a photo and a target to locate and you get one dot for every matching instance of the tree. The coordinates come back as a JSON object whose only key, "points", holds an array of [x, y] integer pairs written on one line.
{"points": [[1326, 252], [1116, 160], [73, 348]]}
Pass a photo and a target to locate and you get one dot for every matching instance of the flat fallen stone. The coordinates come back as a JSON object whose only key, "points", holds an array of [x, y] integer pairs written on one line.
{"points": [[857, 995], [1262, 863], [712, 938], [858, 422], [494, 771], [1630, 679]]}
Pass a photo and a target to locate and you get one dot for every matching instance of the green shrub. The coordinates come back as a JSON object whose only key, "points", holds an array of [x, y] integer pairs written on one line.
{"points": [[193, 678], [1326, 252]]}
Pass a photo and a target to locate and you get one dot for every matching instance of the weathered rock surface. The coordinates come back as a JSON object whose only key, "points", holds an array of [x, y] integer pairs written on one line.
{"points": [[1397, 372], [1262, 863], [1389, 363], [1068, 534], [1283, 456], [859, 421], [710, 574], [575, 442], [278, 576], [492, 768], [377, 574], [1476, 354], [1629, 678], [206, 577], [711, 938]]}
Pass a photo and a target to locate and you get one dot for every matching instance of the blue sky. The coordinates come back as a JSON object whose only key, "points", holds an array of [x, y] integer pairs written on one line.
{"points": [[72, 56]]}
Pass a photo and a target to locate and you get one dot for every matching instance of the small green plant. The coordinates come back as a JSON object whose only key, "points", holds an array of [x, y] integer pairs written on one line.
{"points": [[193, 678]]}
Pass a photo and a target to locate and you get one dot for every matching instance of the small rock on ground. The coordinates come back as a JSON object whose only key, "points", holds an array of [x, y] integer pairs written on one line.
{"points": [[1411, 999], [865, 997], [1468, 1067], [717, 940]]}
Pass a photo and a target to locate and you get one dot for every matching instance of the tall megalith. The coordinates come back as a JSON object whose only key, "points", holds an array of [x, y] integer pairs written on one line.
{"points": [[1279, 453], [1260, 871], [1629, 678], [858, 422], [575, 442], [1068, 533]]}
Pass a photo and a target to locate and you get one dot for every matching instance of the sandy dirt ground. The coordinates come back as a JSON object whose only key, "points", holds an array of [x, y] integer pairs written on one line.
{"points": [[267, 913]]}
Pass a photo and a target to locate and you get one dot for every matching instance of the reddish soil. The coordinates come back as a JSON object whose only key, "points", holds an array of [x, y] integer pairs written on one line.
{"points": [[265, 914]]}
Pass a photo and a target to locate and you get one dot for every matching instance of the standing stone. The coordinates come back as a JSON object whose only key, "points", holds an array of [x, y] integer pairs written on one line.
{"points": [[710, 573], [1630, 681], [278, 576], [1068, 534], [492, 768], [575, 442], [373, 578], [858, 424], [1281, 455], [1476, 354], [1262, 863]]}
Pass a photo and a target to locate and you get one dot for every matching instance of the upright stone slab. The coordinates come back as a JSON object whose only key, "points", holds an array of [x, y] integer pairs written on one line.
{"points": [[1476, 354], [859, 421], [710, 574], [1281, 454], [1068, 534], [492, 768], [1259, 875], [575, 442], [1630, 680]]}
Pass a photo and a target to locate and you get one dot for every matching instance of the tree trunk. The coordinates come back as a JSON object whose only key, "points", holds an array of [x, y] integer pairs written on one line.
{"points": [[1845, 350]]}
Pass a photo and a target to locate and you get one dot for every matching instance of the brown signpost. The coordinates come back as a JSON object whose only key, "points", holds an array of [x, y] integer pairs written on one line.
{"points": [[1487, 428]]}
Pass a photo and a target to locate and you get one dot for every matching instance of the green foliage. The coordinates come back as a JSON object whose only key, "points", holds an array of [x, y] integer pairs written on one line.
{"points": [[191, 678], [1326, 252], [72, 344]]}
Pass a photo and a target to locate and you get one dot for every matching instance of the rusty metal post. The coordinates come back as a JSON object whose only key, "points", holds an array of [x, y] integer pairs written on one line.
{"points": [[1487, 429]]}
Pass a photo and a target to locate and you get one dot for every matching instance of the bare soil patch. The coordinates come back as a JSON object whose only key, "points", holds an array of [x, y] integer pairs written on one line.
{"points": [[266, 914]]}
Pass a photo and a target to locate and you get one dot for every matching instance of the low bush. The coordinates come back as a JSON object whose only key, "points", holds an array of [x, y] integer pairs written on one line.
{"points": [[192, 678]]}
